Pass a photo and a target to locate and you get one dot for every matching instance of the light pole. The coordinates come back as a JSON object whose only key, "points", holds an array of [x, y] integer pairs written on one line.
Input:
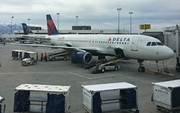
{"points": [[11, 23], [28, 21], [77, 20], [130, 22], [58, 20], [118, 9]]}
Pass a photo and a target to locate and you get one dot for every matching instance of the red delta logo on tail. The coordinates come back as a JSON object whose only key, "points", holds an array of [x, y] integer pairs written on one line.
{"points": [[50, 26]]}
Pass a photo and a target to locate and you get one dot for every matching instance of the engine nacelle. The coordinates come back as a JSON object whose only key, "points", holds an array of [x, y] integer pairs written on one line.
{"points": [[82, 57]]}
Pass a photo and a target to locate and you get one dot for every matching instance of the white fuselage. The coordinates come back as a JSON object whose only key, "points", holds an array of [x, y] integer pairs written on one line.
{"points": [[133, 46]]}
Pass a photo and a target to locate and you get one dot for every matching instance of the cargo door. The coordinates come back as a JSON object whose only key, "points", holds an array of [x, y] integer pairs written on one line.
{"points": [[134, 44]]}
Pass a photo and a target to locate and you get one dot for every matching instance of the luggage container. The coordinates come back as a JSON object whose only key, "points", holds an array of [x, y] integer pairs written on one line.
{"points": [[38, 98], [166, 96], [18, 54], [100, 98]]}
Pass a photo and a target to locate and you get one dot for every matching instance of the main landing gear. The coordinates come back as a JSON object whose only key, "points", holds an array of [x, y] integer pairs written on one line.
{"points": [[141, 67]]}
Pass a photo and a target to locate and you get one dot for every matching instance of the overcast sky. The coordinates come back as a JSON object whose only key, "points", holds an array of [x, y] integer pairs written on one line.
{"points": [[99, 14]]}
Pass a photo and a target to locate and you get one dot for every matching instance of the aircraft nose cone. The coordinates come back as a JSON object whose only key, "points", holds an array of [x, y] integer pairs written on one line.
{"points": [[170, 52]]}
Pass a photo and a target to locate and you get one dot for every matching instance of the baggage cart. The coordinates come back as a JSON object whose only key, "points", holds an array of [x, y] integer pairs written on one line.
{"points": [[101, 98], [166, 96], [18, 54], [38, 98]]}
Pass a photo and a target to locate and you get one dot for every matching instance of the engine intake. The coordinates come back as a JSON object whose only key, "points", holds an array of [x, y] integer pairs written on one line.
{"points": [[82, 57]]}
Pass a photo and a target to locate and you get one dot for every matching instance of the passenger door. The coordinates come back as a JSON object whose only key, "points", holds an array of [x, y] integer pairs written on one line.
{"points": [[134, 44]]}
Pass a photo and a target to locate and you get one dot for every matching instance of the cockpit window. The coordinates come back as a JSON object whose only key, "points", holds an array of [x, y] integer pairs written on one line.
{"points": [[153, 44], [149, 43], [159, 43]]}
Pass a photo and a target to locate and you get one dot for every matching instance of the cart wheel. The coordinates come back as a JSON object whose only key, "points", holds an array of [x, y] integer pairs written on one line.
{"points": [[115, 68], [53, 59], [103, 70], [64, 58], [137, 111], [33, 63]]}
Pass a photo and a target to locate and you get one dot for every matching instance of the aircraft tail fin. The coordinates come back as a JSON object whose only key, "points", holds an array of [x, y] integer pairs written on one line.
{"points": [[26, 29], [52, 30]]}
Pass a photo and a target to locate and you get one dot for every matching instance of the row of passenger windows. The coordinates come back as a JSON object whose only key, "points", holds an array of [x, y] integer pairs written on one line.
{"points": [[109, 42], [155, 44]]}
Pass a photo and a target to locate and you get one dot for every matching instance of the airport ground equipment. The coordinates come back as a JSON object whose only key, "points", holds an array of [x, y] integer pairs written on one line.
{"points": [[37, 98], [99, 98], [160, 72], [18, 54], [177, 65], [30, 58], [1, 100], [58, 55], [106, 65], [166, 96]]}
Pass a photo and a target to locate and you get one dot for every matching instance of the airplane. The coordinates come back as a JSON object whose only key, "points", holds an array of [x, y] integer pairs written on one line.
{"points": [[138, 47], [83, 47], [28, 34]]}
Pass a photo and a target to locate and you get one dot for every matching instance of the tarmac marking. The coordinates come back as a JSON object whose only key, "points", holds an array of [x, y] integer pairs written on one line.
{"points": [[103, 76], [79, 75]]}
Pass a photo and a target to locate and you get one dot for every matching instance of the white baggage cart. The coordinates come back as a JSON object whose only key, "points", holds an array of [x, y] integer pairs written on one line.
{"points": [[100, 98], [38, 98], [166, 96]]}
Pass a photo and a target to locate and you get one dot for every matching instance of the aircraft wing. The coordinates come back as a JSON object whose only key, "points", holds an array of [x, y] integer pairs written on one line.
{"points": [[88, 49]]}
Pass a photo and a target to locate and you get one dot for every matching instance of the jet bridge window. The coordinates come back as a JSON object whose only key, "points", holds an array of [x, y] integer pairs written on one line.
{"points": [[149, 43]]}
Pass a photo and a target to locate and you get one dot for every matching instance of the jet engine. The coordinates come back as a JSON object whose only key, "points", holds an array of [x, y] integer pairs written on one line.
{"points": [[82, 57]]}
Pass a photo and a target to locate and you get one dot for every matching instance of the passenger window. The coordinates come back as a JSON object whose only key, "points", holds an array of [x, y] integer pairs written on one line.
{"points": [[149, 43], [153, 44]]}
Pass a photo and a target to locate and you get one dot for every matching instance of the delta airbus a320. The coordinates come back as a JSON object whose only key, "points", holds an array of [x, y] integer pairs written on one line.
{"points": [[83, 47]]}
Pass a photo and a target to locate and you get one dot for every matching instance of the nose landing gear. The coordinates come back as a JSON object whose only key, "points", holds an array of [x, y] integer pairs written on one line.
{"points": [[141, 67]]}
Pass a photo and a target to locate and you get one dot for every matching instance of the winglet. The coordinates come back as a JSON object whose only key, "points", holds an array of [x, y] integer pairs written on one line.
{"points": [[26, 29], [51, 26]]}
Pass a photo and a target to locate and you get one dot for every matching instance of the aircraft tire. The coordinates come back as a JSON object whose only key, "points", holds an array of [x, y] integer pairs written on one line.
{"points": [[141, 69]]}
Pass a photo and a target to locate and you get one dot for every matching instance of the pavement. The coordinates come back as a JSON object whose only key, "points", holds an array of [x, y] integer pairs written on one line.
{"points": [[12, 74]]}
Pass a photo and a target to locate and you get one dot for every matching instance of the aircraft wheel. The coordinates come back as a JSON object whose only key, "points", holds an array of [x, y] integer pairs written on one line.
{"points": [[141, 69], [103, 70]]}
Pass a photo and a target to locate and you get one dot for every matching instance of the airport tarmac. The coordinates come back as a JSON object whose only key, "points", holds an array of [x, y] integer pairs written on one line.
{"points": [[12, 74]]}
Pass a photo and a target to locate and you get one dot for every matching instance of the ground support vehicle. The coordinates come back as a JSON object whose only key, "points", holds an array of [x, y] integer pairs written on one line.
{"points": [[1, 100], [28, 61], [37, 98], [63, 55], [99, 98], [18, 54], [106, 66], [30, 58], [166, 96]]}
